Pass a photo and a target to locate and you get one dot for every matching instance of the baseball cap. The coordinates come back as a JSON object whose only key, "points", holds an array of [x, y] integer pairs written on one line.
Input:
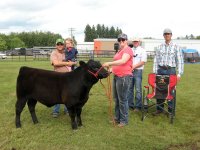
{"points": [[135, 39], [167, 30], [60, 41], [122, 36]]}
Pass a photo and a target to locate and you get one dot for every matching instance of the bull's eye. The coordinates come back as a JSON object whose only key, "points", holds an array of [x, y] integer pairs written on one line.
{"points": [[96, 69]]}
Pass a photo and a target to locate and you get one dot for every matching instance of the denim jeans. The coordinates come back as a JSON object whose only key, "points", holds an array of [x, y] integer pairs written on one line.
{"points": [[137, 83], [56, 108], [160, 105], [120, 89]]}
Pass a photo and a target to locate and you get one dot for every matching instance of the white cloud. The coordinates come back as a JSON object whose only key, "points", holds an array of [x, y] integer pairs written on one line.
{"points": [[142, 18]]}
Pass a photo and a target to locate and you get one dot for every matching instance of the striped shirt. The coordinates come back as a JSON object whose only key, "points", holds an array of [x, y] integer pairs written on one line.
{"points": [[169, 55]]}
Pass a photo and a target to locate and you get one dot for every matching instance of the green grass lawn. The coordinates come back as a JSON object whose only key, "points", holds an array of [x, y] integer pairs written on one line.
{"points": [[155, 133]]}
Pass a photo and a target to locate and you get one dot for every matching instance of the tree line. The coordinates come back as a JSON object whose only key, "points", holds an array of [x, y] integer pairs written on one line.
{"points": [[39, 38], [100, 31], [27, 40]]}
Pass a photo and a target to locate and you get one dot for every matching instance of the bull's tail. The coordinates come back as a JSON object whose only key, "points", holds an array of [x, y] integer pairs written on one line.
{"points": [[19, 85]]}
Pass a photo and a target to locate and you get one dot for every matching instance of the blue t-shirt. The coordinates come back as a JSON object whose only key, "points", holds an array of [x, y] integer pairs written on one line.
{"points": [[70, 55]]}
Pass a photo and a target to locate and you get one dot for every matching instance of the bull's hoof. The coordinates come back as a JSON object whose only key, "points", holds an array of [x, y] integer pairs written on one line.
{"points": [[35, 122], [80, 124], [18, 126], [74, 127]]}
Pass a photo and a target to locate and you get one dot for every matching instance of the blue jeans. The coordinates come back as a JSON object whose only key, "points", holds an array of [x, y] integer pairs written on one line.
{"points": [[56, 108], [160, 105], [120, 89], [137, 83]]}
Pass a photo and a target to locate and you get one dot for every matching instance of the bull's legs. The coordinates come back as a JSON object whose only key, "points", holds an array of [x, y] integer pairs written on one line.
{"points": [[79, 121], [19, 106], [31, 105], [72, 114]]}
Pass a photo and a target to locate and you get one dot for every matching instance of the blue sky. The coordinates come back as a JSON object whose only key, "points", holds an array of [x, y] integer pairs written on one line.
{"points": [[137, 18]]}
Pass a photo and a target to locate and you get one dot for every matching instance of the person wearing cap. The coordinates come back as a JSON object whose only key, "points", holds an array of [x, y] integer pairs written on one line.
{"points": [[168, 60], [140, 58], [57, 59], [122, 70], [70, 51]]}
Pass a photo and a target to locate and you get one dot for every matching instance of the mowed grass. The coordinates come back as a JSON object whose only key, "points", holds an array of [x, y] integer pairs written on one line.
{"points": [[155, 133]]}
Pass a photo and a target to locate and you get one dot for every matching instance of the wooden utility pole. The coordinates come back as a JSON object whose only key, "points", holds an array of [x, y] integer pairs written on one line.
{"points": [[71, 32]]}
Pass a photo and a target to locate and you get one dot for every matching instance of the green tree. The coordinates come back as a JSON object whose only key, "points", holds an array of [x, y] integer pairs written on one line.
{"points": [[103, 30], [3, 45], [117, 32], [112, 32], [99, 31], [106, 33], [88, 33], [16, 42], [38, 38], [94, 33]]}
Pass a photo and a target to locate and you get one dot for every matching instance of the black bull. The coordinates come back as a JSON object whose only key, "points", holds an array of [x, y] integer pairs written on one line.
{"points": [[50, 88]]}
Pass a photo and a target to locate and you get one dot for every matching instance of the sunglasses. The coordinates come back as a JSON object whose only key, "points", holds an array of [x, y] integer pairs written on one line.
{"points": [[121, 39], [167, 33], [58, 44]]}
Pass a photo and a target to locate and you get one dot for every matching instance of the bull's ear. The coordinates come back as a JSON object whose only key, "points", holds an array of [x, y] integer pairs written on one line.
{"points": [[82, 63]]}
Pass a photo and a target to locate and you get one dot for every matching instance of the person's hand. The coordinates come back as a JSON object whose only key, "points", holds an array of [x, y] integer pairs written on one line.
{"points": [[133, 67], [110, 70], [106, 64], [71, 63]]}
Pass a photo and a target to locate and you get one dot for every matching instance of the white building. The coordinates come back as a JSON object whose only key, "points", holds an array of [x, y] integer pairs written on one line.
{"points": [[85, 46], [149, 44]]}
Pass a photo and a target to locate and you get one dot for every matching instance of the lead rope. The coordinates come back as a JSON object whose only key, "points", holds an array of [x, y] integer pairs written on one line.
{"points": [[109, 95]]}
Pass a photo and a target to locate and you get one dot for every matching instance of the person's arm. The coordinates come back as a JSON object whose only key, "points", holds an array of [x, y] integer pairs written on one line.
{"points": [[138, 65], [59, 63], [123, 60], [56, 62]]}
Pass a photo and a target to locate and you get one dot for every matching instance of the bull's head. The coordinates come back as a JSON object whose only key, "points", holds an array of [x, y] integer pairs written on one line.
{"points": [[95, 68]]}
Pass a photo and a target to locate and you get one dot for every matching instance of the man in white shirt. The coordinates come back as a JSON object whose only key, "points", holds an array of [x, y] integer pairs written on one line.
{"points": [[140, 58]]}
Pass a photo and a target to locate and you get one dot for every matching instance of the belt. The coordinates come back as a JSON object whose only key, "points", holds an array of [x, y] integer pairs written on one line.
{"points": [[166, 67]]}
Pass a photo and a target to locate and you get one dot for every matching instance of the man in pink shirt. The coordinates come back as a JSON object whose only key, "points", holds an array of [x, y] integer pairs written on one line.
{"points": [[57, 59], [122, 70]]}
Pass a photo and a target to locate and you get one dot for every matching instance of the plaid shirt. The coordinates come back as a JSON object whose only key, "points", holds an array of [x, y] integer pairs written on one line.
{"points": [[169, 55]]}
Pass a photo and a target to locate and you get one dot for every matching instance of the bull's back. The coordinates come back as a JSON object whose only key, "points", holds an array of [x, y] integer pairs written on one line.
{"points": [[37, 82]]}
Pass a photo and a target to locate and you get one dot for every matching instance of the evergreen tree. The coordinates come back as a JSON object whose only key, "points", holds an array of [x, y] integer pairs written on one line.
{"points": [[103, 30], [88, 33], [100, 32], [106, 32], [112, 32], [94, 34]]}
